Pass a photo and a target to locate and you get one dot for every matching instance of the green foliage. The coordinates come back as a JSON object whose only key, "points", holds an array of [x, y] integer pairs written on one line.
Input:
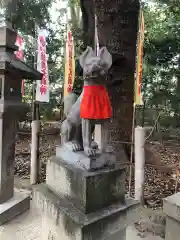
{"points": [[32, 13], [161, 76]]}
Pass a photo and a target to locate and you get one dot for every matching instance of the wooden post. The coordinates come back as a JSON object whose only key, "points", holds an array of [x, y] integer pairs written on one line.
{"points": [[97, 130], [35, 126], [139, 163], [34, 177], [132, 150], [35, 130]]}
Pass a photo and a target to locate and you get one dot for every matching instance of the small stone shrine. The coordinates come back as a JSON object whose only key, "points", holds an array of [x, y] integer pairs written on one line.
{"points": [[12, 70]]}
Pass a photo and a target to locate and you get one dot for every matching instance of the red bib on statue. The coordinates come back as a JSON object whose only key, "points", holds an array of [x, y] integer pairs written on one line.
{"points": [[95, 103]]}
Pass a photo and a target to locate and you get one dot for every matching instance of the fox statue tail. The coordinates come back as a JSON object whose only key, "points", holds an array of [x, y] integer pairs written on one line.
{"points": [[69, 101], [66, 127]]}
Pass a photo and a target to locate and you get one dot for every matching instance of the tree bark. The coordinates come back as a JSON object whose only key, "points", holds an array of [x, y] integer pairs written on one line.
{"points": [[117, 22], [88, 22], [88, 19]]}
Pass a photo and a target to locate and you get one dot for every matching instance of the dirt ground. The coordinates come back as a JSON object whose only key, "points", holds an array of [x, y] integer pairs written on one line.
{"points": [[160, 172]]}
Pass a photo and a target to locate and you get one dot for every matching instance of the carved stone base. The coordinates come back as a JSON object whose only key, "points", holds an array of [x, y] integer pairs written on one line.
{"points": [[105, 186], [79, 158], [18, 204], [61, 220]]}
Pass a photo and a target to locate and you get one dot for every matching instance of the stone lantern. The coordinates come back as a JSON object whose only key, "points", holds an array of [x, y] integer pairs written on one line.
{"points": [[12, 70]]}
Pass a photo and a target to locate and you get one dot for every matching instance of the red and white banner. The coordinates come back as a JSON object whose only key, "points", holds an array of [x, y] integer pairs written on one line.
{"points": [[138, 95], [42, 89], [69, 64], [20, 55]]}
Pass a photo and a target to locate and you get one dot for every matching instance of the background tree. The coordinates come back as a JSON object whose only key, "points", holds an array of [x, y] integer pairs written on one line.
{"points": [[161, 58], [117, 29], [37, 13]]}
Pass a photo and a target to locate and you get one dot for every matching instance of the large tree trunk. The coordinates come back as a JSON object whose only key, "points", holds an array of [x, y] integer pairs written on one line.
{"points": [[88, 20], [117, 28]]}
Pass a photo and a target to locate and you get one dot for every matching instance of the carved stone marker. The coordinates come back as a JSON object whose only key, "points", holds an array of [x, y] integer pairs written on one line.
{"points": [[12, 71]]}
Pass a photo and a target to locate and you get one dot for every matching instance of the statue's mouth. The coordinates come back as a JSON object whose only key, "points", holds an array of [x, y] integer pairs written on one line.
{"points": [[91, 76]]}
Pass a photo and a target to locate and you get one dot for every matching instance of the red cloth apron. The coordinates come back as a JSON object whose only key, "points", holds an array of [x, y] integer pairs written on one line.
{"points": [[95, 103]]}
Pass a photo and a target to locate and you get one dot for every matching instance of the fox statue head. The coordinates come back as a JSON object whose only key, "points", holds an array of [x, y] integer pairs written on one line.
{"points": [[95, 65]]}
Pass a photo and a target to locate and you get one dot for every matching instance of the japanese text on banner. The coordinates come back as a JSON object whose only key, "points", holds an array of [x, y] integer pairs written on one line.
{"points": [[69, 65], [20, 55], [42, 89]]}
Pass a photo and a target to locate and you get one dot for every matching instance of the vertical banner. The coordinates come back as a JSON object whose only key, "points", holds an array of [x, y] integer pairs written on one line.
{"points": [[42, 89], [138, 84], [20, 55], [69, 64]]}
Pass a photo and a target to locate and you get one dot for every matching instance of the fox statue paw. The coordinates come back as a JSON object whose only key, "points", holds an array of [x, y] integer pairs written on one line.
{"points": [[90, 152], [76, 146], [94, 145]]}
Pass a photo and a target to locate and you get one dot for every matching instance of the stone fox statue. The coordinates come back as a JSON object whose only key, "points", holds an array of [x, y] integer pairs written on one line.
{"points": [[92, 106]]}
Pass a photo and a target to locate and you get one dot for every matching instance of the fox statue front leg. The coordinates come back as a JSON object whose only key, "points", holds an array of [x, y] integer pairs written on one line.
{"points": [[88, 144]]}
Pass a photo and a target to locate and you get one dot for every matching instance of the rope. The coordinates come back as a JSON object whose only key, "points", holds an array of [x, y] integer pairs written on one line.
{"points": [[157, 119]]}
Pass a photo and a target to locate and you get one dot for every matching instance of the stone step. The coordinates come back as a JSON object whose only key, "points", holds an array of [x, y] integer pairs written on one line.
{"points": [[62, 220], [88, 191], [18, 204]]}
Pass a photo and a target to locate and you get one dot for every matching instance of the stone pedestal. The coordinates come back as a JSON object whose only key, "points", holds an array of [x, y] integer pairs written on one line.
{"points": [[171, 208], [80, 187], [78, 204]]}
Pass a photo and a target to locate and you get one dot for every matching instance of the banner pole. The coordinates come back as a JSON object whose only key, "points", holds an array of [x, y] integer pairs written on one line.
{"points": [[98, 130], [137, 94], [139, 137], [35, 130]]}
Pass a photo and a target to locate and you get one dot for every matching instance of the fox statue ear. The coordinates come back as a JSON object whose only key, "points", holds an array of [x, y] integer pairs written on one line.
{"points": [[105, 57], [88, 53]]}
